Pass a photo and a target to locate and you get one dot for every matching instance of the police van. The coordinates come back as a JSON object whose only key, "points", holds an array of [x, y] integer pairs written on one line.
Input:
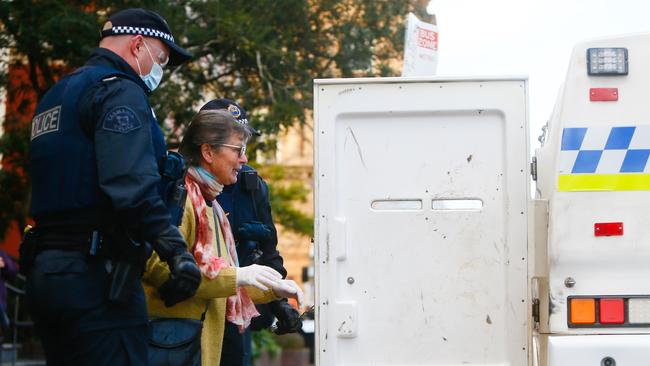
{"points": [[429, 248]]}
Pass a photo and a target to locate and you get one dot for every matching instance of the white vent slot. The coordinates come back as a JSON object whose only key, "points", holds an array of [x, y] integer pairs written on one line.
{"points": [[457, 205], [396, 205]]}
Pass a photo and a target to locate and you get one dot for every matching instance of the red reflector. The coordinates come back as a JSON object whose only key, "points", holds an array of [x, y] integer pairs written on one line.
{"points": [[612, 311], [608, 229], [603, 94]]}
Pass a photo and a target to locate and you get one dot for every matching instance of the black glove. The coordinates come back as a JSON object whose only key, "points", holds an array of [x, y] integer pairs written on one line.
{"points": [[289, 320], [183, 281]]}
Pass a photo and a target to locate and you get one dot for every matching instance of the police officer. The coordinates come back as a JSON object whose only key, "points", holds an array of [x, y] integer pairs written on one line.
{"points": [[249, 212], [95, 156]]}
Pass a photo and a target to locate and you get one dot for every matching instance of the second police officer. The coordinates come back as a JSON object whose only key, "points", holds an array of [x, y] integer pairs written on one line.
{"points": [[95, 159], [249, 212]]}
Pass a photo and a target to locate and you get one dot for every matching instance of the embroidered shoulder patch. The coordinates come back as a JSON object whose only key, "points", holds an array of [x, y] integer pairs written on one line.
{"points": [[121, 120]]}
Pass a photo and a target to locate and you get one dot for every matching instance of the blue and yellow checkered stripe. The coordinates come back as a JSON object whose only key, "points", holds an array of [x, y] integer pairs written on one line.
{"points": [[604, 159]]}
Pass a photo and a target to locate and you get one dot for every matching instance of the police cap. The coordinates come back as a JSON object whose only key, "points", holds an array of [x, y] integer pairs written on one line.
{"points": [[146, 23], [233, 107]]}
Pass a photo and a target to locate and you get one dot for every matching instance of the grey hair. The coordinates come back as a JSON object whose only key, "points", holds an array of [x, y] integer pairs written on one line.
{"points": [[212, 127]]}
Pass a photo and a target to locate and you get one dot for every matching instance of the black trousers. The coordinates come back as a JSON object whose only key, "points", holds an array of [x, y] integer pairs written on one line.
{"points": [[67, 296], [236, 349], [232, 351]]}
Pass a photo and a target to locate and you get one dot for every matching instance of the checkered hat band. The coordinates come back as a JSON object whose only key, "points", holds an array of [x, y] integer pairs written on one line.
{"points": [[149, 32]]}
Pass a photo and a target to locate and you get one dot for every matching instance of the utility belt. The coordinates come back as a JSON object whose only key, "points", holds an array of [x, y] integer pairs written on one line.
{"points": [[87, 241], [127, 257]]}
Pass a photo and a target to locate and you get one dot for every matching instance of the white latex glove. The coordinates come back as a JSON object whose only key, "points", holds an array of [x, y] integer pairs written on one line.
{"points": [[289, 289], [262, 277]]}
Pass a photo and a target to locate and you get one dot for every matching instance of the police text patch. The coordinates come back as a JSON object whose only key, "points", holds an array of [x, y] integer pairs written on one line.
{"points": [[46, 122], [121, 120]]}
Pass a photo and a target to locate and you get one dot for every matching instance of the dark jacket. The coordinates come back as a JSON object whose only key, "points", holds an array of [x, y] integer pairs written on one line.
{"points": [[119, 176], [244, 206]]}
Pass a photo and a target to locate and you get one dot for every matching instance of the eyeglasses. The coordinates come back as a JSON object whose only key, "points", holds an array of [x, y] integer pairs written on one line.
{"points": [[240, 149], [163, 58]]}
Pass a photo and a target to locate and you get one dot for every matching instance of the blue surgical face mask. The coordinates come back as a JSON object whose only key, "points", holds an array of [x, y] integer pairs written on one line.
{"points": [[153, 78]]}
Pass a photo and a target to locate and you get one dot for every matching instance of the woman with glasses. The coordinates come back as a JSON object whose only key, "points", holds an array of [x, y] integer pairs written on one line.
{"points": [[214, 147]]}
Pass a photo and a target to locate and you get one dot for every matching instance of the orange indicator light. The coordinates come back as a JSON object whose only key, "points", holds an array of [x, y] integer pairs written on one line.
{"points": [[583, 311]]}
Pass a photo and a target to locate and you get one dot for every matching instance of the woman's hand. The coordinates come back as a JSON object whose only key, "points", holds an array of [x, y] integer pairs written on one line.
{"points": [[262, 277]]}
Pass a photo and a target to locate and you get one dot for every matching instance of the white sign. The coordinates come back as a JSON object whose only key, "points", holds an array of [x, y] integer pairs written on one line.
{"points": [[420, 48]]}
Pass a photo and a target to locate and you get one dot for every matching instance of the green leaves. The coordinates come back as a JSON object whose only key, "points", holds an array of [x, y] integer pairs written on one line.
{"points": [[284, 192], [264, 340]]}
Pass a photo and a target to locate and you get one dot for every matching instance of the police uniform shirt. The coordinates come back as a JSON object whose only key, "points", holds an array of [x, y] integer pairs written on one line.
{"points": [[128, 145]]}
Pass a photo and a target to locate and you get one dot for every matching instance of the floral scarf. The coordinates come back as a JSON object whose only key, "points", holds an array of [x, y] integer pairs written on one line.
{"points": [[202, 186]]}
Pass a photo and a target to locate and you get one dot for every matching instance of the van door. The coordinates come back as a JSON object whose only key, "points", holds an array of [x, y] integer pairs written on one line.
{"points": [[421, 189]]}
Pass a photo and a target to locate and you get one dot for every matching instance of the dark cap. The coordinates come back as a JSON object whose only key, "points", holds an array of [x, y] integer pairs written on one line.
{"points": [[233, 107], [148, 24]]}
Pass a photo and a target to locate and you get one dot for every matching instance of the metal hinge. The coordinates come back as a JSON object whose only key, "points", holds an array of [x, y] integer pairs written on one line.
{"points": [[536, 311], [533, 168]]}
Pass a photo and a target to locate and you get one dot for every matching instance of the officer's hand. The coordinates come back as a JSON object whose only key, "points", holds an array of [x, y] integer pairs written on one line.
{"points": [[288, 288], [289, 320], [183, 281], [261, 277]]}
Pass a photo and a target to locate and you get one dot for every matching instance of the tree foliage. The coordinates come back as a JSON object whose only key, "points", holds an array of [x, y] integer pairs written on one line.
{"points": [[263, 53], [283, 189]]}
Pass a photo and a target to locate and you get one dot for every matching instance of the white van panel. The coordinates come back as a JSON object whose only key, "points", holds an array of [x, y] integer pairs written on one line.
{"points": [[599, 350], [615, 189], [421, 228]]}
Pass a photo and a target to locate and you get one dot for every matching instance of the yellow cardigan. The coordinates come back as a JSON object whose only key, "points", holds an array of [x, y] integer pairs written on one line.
{"points": [[210, 296]]}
